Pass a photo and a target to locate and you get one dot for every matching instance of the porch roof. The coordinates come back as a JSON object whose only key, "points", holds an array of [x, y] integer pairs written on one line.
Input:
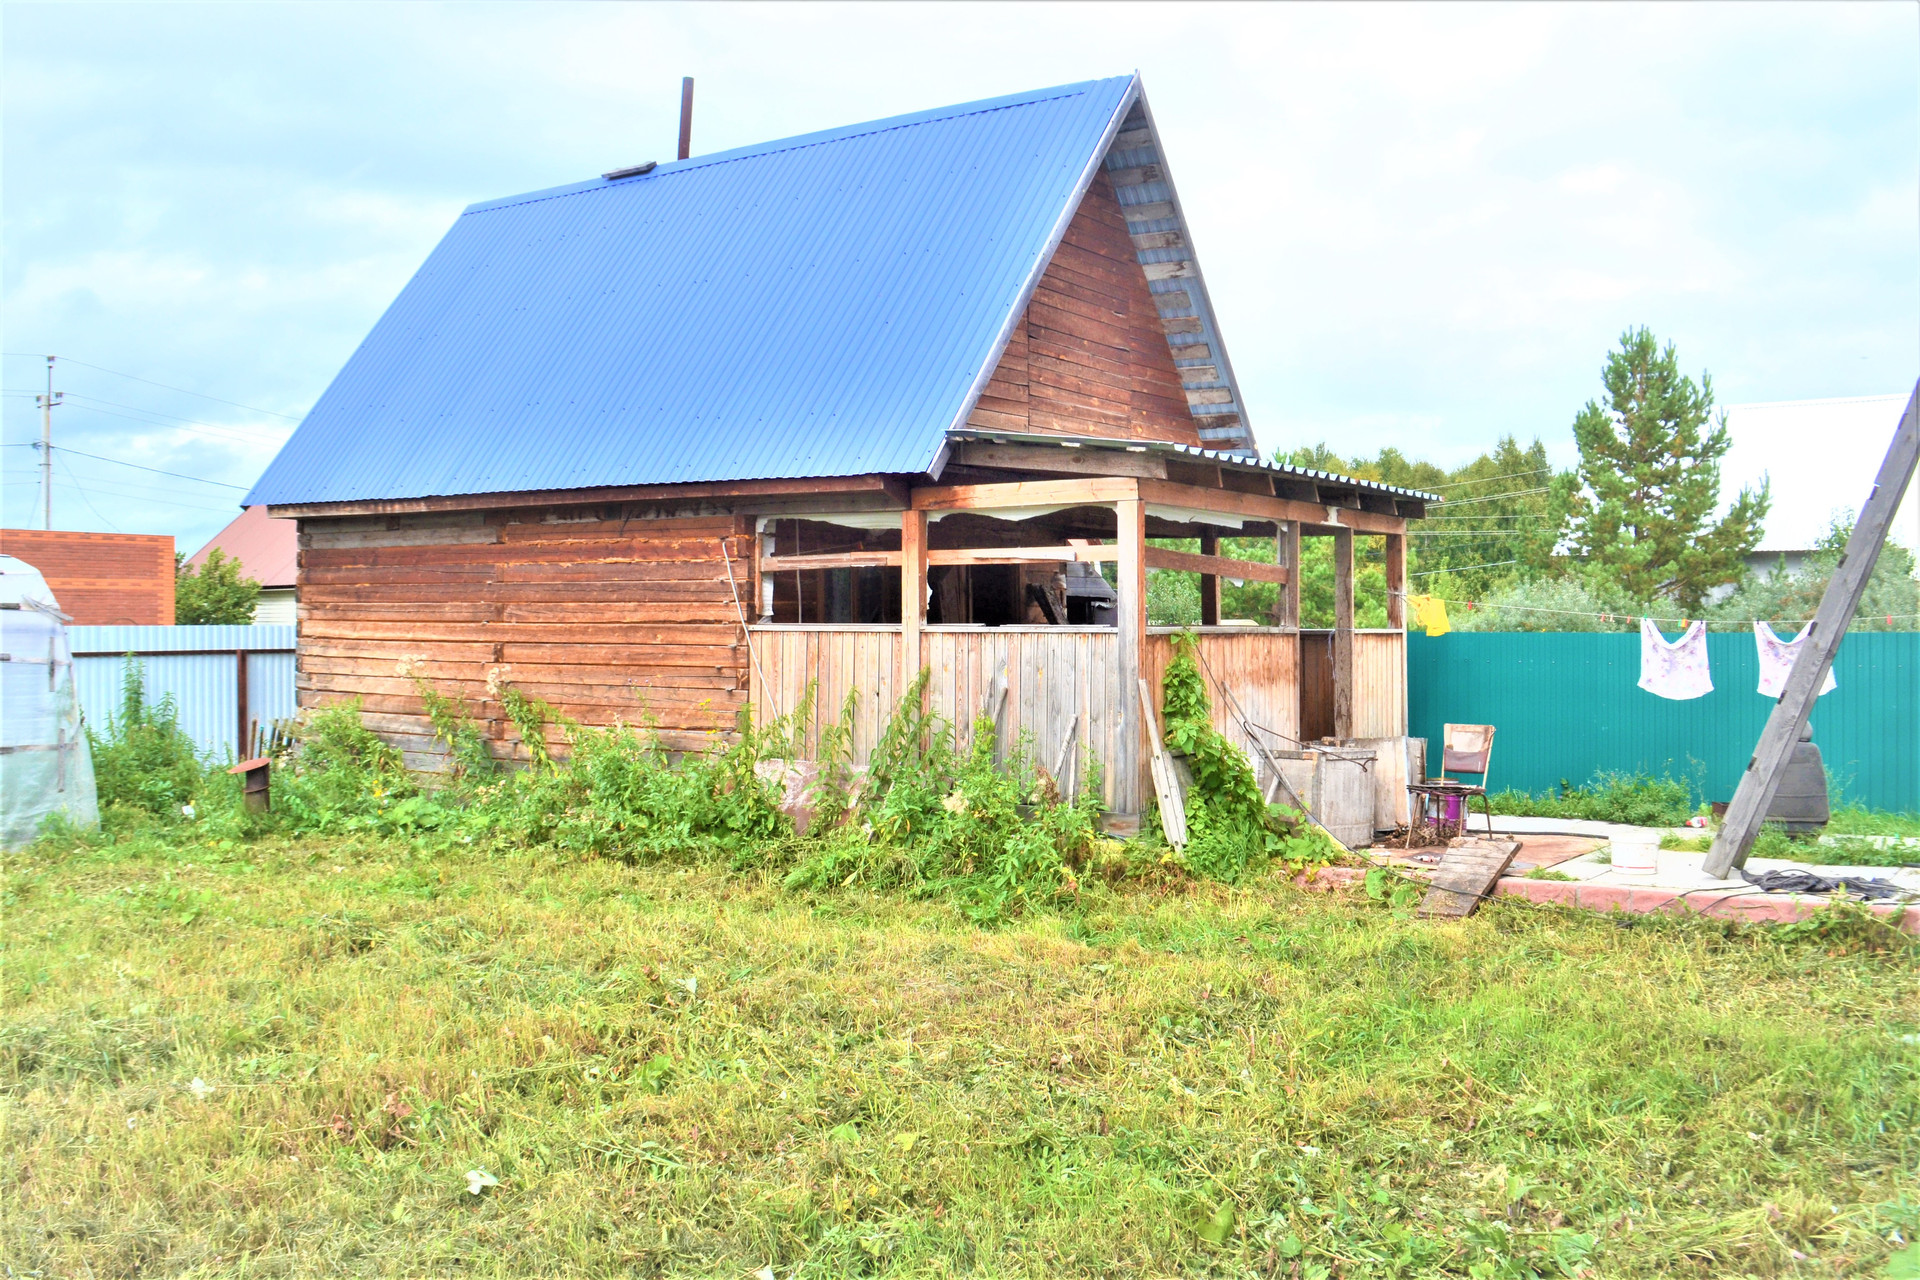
{"points": [[1236, 461]]}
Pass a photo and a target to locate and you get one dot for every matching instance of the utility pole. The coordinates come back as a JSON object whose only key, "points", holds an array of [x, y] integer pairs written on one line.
{"points": [[1758, 785], [47, 402]]}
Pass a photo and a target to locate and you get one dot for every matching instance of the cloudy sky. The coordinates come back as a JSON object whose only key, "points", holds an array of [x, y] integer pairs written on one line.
{"points": [[1422, 226]]}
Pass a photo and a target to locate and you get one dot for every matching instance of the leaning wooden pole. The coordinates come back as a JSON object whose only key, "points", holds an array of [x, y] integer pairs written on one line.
{"points": [[1788, 720]]}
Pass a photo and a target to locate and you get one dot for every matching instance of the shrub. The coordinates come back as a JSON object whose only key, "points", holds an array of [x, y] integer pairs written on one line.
{"points": [[214, 594], [1637, 799]]}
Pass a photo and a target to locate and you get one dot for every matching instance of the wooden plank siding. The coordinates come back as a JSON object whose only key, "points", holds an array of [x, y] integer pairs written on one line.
{"points": [[1089, 356], [1379, 684], [836, 660], [609, 620], [1053, 675], [1261, 669]]}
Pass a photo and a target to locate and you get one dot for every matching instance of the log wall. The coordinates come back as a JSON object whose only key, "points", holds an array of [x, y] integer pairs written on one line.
{"points": [[1088, 357], [608, 619]]}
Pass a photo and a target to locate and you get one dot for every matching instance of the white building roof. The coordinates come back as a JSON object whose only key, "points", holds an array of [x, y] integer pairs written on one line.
{"points": [[1822, 456]]}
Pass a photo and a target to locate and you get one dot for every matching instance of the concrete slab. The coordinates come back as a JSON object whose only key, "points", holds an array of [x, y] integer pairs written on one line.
{"points": [[1679, 881]]}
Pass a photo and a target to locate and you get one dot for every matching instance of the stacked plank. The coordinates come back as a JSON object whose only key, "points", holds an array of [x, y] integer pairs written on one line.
{"points": [[610, 619], [1089, 356]]}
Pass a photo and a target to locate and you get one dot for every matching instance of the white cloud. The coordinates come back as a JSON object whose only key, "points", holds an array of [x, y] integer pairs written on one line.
{"points": [[1423, 225]]}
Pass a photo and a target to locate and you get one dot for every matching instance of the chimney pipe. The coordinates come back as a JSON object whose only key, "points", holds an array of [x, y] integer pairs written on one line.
{"points": [[686, 116]]}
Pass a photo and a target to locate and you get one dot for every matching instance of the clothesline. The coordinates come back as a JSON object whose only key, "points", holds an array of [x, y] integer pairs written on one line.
{"points": [[1796, 623]]}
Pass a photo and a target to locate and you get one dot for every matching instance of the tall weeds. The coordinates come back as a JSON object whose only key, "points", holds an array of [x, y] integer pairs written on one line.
{"points": [[986, 827]]}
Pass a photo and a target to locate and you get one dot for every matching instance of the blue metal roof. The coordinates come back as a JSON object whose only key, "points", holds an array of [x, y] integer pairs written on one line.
{"points": [[826, 305]]}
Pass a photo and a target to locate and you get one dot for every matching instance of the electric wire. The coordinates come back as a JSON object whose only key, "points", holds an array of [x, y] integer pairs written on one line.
{"points": [[1512, 475], [1495, 497], [159, 413], [120, 489], [81, 453], [1495, 564], [254, 408], [194, 428], [84, 497]]}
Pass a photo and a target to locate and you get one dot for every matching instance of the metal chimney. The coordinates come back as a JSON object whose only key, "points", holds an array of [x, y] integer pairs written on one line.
{"points": [[686, 116]]}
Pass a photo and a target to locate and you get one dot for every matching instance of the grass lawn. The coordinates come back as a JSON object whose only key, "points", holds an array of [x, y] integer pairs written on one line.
{"points": [[687, 1072]]}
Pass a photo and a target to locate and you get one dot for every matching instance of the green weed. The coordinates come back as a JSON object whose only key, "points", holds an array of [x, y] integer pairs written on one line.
{"points": [[1636, 799]]}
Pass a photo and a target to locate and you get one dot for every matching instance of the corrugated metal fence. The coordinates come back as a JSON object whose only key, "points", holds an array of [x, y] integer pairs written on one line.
{"points": [[1567, 705], [223, 679]]}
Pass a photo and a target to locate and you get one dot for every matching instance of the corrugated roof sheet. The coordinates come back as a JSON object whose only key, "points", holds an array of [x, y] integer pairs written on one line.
{"points": [[268, 550], [819, 306], [1232, 458]]}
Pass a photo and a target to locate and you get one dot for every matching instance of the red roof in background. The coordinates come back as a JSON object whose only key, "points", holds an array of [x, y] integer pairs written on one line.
{"points": [[268, 550]]}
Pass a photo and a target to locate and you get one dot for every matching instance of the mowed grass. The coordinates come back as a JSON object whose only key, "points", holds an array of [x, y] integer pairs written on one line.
{"points": [[686, 1072]]}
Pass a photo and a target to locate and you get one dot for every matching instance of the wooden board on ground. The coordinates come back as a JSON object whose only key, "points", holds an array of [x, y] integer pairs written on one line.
{"points": [[1466, 874]]}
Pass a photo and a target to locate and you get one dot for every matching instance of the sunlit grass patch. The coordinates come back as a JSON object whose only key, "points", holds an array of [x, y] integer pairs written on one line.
{"points": [[693, 1071]]}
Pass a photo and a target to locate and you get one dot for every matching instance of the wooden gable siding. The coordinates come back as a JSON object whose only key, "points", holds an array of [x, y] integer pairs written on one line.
{"points": [[607, 620], [1089, 357]]}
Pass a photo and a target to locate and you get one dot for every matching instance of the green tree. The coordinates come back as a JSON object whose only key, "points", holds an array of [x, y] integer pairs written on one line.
{"points": [[214, 595], [1649, 481], [1501, 517], [1890, 602]]}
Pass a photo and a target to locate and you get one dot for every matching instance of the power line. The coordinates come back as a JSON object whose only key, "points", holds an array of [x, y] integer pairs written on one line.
{"points": [[1464, 568], [254, 408], [191, 422], [86, 498], [1495, 497], [1515, 475], [142, 495], [197, 428], [137, 467]]}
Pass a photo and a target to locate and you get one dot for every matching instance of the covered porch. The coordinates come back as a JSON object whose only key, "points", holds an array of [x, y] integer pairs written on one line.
{"points": [[1026, 602]]}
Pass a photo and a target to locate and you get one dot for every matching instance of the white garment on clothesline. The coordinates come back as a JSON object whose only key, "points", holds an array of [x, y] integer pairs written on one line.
{"points": [[1674, 670], [1776, 660]]}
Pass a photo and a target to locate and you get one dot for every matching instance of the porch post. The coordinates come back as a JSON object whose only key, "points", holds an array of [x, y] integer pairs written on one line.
{"points": [[1343, 632], [1396, 580], [1289, 548], [1129, 792], [913, 591], [1209, 583]]}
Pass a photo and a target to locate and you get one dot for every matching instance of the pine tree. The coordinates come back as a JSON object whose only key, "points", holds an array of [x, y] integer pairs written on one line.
{"points": [[1649, 481]]}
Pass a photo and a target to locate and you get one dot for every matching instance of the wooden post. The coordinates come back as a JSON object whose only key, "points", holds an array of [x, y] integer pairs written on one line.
{"points": [[1768, 764], [913, 591], [1128, 771], [1209, 583], [1343, 633], [241, 747], [1396, 580], [1288, 540]]}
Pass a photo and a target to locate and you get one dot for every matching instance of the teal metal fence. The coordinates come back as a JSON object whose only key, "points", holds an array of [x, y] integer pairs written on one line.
{"points": [[1566, 706]]}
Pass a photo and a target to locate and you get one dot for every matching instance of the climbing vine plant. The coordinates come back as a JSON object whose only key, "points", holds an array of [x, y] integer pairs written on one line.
{"points": [[1231, 829]]}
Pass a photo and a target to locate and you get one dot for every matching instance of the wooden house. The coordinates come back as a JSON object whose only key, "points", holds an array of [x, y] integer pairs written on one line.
{"points": [[909, 394]]}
